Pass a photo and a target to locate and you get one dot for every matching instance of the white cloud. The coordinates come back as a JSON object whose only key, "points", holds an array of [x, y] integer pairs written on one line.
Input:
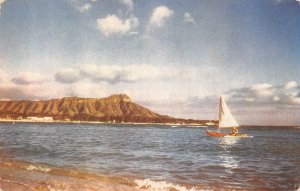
{"points": [[128, 3], [159, 16], [1, 2], [290, 85], [293, 98], [283, 1], [113, 25], [116, 73], [80, 5], [109, 73], [288, 94], [89, 89], [262, 90], [188, 18], [84, 8], [27, 78]]}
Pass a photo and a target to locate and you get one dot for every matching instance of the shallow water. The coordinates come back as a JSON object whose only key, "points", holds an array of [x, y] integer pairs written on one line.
{"points": [[155, 156]]}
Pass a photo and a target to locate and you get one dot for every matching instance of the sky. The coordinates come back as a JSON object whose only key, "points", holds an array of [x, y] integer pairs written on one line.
{"points": [[175, 57]]}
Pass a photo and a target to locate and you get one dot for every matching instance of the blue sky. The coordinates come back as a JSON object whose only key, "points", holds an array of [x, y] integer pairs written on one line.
{"points": [[173, 56]]}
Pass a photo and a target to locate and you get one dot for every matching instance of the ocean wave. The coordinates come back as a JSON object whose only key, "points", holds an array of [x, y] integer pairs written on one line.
{"points": [[151, 185]]}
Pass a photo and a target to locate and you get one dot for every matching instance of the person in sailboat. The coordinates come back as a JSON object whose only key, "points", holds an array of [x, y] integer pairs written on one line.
{"points": [[234, 131]]}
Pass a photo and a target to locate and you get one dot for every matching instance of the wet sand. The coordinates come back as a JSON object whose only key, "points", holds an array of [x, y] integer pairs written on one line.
{"points": [[25, 176], [22, 176]]}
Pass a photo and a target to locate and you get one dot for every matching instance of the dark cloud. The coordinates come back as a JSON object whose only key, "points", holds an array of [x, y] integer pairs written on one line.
{"points": [[20, 81], [266, 94], [15, 93], [29, 78], [68, 76]]}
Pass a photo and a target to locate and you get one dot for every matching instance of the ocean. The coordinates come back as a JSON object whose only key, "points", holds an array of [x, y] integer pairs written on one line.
{"points": [[60, 156]]}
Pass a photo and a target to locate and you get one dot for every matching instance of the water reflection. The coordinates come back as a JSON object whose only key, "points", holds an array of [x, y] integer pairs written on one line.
{"points": [[228, 141], [228, 161]]}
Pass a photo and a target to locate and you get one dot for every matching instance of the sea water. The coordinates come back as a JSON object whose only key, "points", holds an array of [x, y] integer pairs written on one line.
{"points": [[146, 157]]}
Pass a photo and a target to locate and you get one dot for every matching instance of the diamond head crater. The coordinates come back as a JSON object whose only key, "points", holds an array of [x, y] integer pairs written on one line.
{"points": [[117, 108]]}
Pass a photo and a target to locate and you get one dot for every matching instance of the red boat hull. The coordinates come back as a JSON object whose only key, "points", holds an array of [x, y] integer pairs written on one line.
{"points": [[215, 134]]}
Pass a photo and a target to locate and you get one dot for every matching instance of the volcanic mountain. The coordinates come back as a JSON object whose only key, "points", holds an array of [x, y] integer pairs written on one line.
{"points": [[118, 108]]}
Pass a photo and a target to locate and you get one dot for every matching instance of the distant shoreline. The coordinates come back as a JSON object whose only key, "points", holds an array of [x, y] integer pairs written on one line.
{"points": [[99, 122], [135, 123]]}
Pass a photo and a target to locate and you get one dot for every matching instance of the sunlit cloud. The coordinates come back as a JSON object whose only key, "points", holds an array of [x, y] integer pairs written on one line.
{"points": [[291, 85], [115, 73], [262, 90], [159, 17], [113, 25]]}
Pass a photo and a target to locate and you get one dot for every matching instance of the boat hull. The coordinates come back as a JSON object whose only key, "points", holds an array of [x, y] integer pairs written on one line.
{"points": [[216, 134]]}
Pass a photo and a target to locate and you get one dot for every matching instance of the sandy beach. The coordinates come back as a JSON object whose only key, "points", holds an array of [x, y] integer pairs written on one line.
{"points": [[23, 176]]}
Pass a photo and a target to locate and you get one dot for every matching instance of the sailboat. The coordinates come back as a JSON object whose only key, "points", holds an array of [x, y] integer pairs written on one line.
{"points": [[226, 120]]}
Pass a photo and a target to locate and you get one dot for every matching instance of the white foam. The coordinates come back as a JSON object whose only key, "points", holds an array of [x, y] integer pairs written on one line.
{"points": [[52, 189], [38, 168], [151, 185]]}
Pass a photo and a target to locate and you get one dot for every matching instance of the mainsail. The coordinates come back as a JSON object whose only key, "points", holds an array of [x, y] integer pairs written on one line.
{"points": [[226, 120]]}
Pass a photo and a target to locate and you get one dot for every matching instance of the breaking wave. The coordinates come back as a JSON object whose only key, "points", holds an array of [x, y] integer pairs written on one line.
{"points": [[38, 168], [151, 185], [37, 176]]}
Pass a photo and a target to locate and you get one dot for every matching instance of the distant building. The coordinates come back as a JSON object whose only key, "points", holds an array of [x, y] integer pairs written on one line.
{"points": [[41, 119], [210, 123]]}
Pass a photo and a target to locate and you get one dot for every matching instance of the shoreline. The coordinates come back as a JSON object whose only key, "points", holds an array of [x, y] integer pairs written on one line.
{"points": [[28, 176], [135, 123], [99, 122], [22, 175]]}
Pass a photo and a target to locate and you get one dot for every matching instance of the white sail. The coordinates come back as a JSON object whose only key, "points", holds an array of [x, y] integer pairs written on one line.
{"points": [[225, 117]]}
